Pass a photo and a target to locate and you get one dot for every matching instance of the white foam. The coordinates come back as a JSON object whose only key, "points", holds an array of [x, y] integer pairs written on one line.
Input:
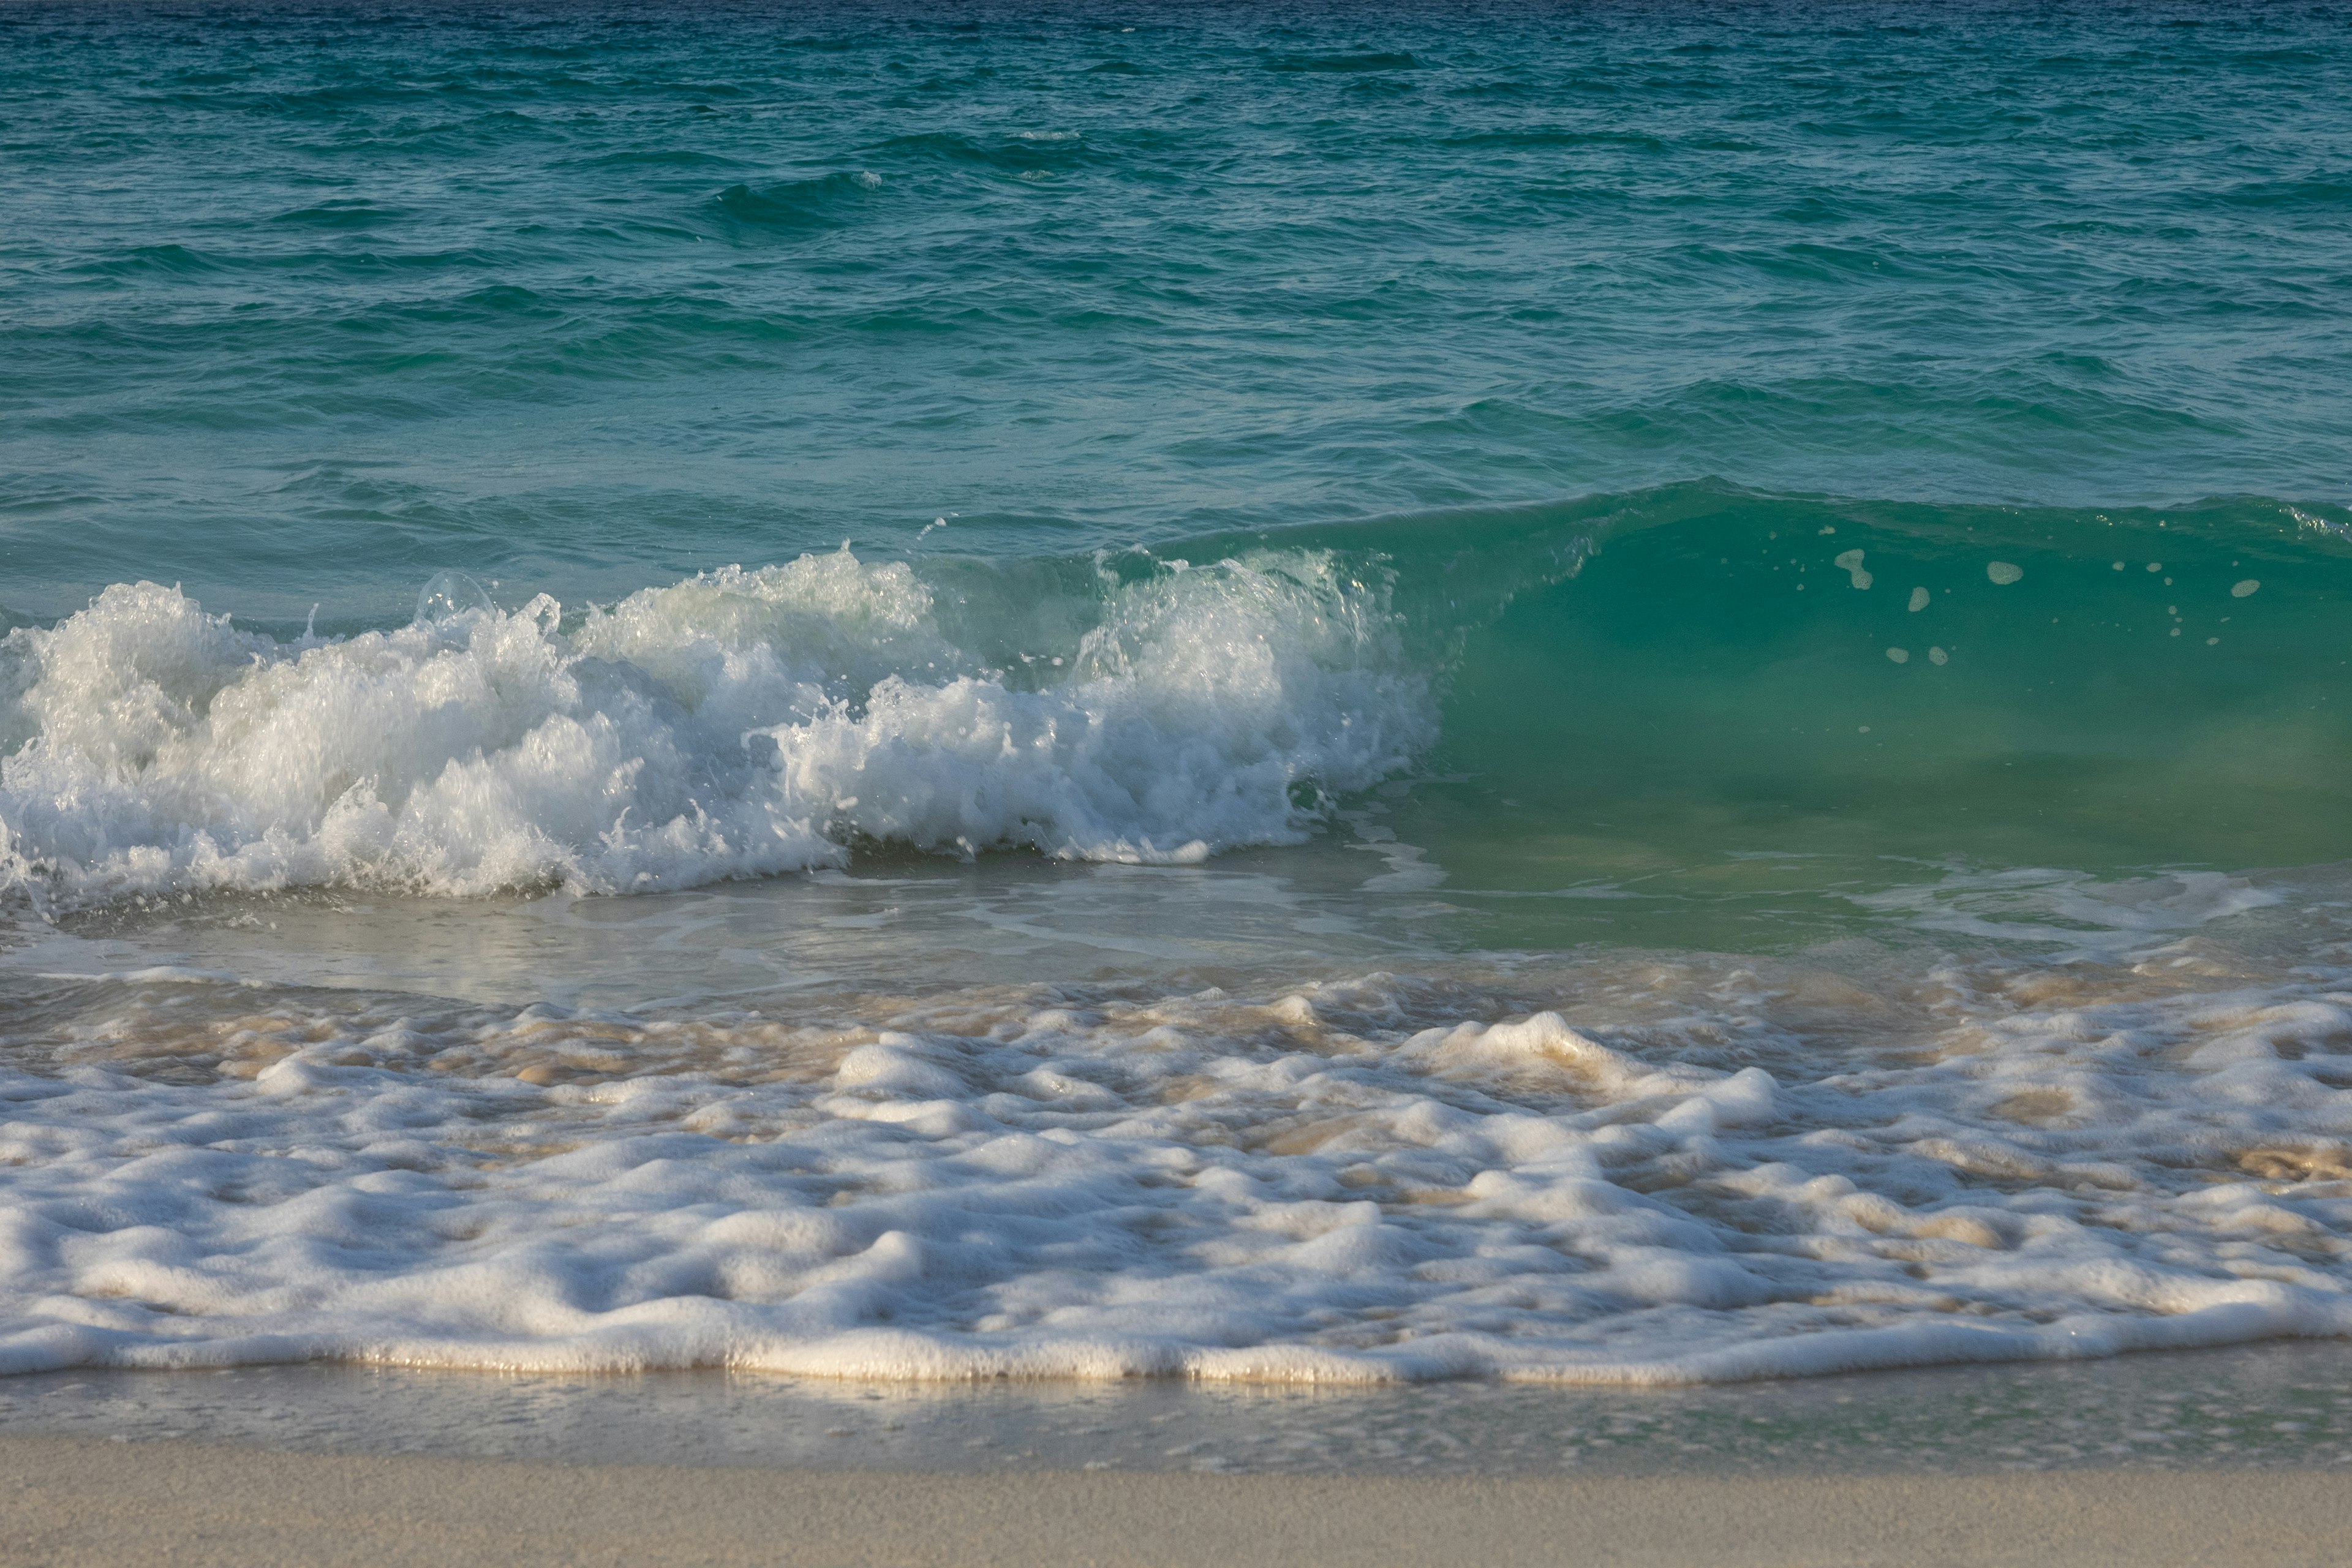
{"points": [[741, 723], [1686, 1169], [2077, 912]]}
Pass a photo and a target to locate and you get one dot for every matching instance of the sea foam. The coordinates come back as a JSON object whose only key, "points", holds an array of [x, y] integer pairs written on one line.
{"points": [[1682, 1168], [740, 723]]}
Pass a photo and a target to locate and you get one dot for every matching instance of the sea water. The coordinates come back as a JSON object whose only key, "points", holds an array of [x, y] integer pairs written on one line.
{"points": [[1326, 695]]}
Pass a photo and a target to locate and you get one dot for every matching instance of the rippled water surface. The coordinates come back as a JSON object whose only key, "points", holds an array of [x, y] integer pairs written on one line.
{"points": [[305, 303]]}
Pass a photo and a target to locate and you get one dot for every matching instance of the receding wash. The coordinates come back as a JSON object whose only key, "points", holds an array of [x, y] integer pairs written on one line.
{"points": [[1334, 695]]}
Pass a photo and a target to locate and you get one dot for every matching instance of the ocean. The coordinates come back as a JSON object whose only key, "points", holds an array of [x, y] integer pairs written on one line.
{"points": [[1323, 694]]}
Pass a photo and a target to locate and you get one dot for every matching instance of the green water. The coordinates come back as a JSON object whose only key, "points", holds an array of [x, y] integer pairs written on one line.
{"points": [[1709, 707]]}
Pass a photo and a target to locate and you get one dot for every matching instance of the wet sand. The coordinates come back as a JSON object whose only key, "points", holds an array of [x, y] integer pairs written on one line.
{"points": [[73, 1502], [2285, 1404], [2241, 1456]]}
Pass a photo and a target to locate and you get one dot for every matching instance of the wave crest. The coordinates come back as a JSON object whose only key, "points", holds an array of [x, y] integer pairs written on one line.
{"points": [[740, 723]]}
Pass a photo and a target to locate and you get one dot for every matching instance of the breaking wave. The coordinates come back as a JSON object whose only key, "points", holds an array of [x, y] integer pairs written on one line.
{"points": [[741, 723]]}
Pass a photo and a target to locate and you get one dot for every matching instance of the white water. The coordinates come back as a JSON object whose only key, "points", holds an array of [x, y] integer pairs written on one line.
{"points": [[1627, 1168], [741, 723]]}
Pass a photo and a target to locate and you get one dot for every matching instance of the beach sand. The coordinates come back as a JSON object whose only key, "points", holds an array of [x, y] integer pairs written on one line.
{"points": [[70, 1502]]}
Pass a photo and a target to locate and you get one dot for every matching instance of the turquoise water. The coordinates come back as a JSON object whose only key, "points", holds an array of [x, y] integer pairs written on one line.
{"points": [[892, 567], [305, 305]]}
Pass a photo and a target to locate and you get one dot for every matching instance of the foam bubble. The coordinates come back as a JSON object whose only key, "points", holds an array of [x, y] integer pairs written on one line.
{"points": [[449, 595], [2004, 572], [2245, 589], [1920, 598]]}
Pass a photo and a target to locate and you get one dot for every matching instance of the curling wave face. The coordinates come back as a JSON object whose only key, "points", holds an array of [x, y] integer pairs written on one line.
{"points": [[742, 723]]}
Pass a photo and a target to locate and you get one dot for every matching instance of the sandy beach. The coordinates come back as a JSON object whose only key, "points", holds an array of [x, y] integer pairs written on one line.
{"points": [[70, 1502]]}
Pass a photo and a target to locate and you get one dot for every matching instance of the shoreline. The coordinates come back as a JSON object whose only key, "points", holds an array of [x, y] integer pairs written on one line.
{"points": [[2283, 1405], [68, 1502], [2187, 1457]]}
